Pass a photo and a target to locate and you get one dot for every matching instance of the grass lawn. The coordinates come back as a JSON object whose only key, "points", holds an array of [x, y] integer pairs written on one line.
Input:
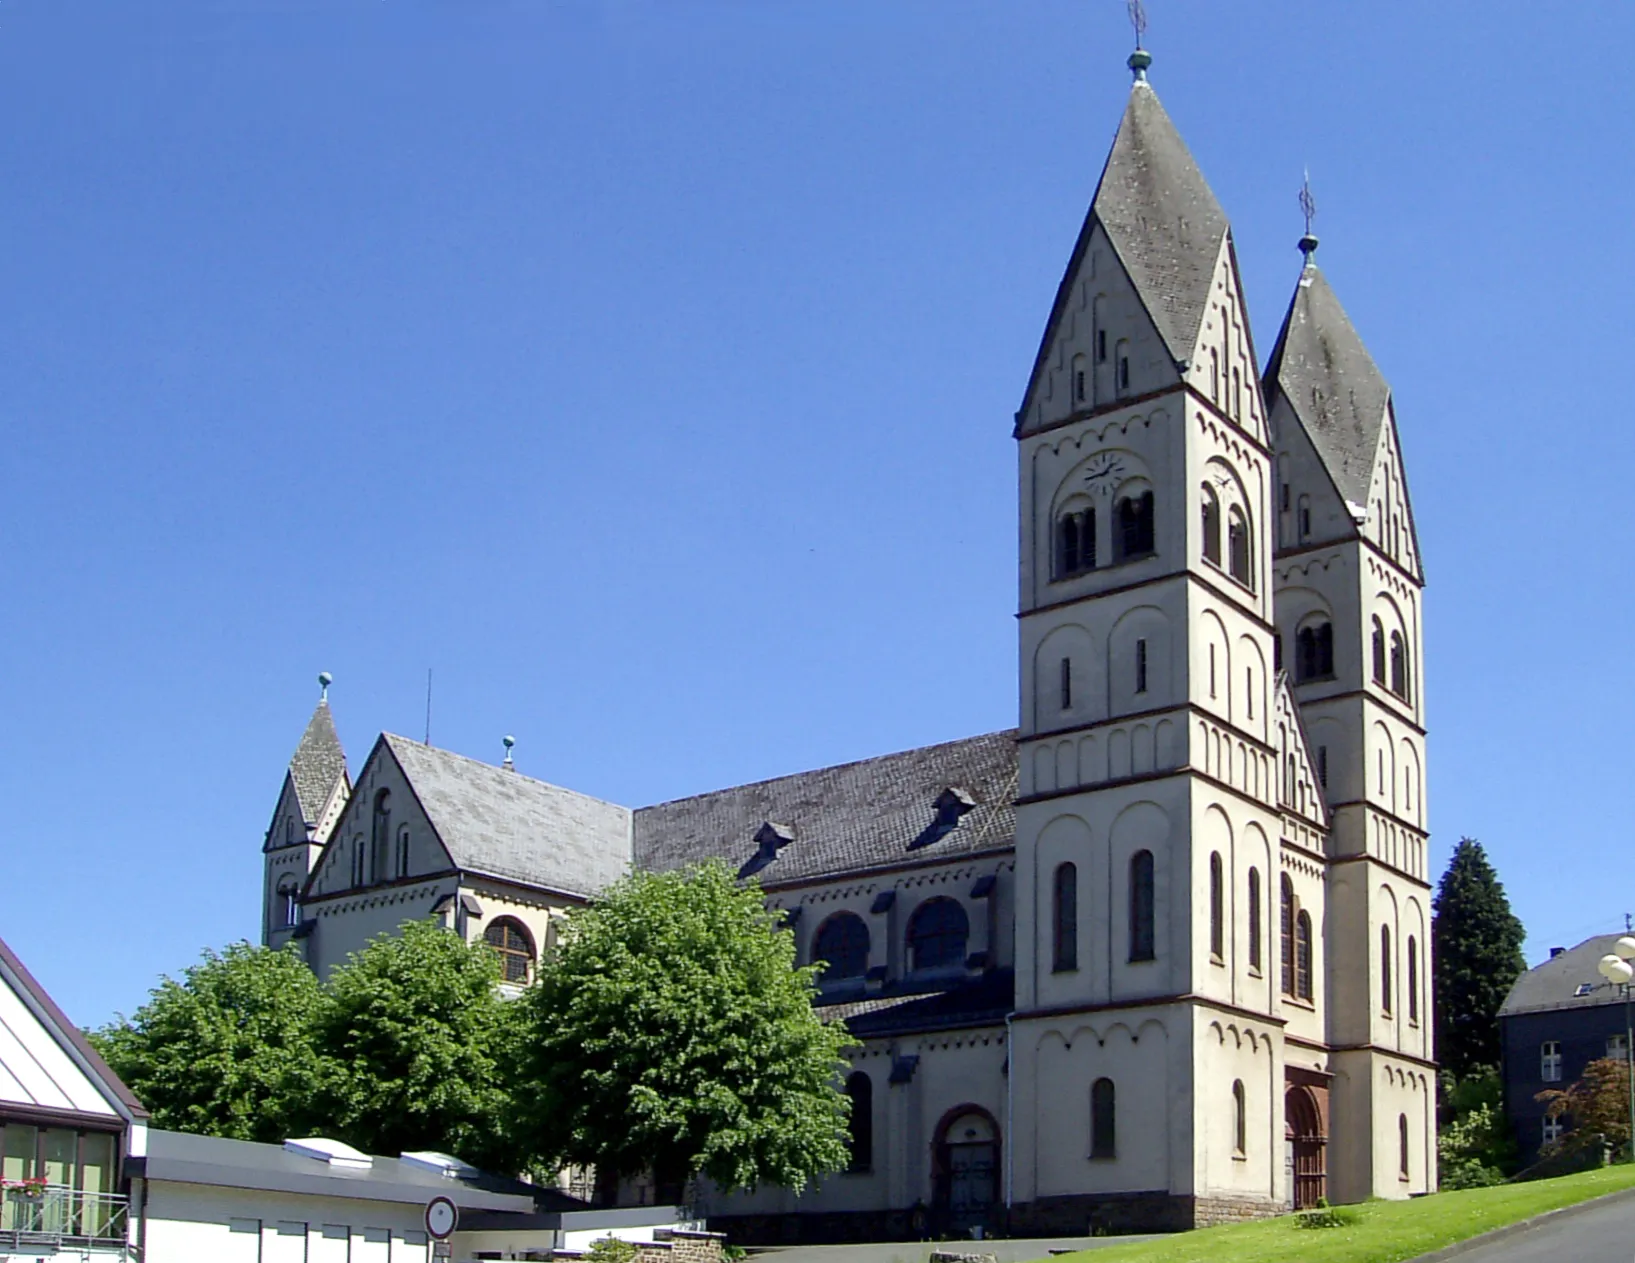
{"points": [[1385, 1232]]}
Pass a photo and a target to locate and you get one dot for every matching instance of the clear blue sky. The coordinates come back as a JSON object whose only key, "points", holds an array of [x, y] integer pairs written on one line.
{"points": [[647, 369]]}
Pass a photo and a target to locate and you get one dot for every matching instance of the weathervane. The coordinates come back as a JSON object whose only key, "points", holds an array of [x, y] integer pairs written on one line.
{"points": [[1308, 208], [1141, 58]]}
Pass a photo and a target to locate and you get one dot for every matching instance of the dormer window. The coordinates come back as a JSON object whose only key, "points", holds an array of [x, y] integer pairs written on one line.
{"points": [[948, 808], [770, 838]]}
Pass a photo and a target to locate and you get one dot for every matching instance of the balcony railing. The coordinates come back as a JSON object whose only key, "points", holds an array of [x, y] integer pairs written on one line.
{"points": [[55, 1217]]}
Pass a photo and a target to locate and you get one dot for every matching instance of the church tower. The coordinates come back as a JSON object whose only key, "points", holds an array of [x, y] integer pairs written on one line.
{"points": [[316, 788], [1349, 597], [1165, 798]]}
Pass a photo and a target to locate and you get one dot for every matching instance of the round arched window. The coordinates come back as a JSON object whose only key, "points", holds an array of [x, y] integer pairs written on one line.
{"points": [[937, 933], [843, 942], [511, 943]]}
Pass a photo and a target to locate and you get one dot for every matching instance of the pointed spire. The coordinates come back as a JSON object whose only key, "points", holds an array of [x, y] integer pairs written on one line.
{"points": [[319, 760], [1335, 389]]}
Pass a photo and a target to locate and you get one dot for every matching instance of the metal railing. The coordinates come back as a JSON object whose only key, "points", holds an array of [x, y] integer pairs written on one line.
{"points": [[55, 1217]]}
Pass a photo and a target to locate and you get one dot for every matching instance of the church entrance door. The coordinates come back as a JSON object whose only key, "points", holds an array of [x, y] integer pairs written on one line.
{"points": [[967, 1168], [1305, 1146]]}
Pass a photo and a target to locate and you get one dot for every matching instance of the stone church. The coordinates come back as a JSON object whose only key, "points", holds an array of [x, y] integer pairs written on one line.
{"points": [[1157, 957]]}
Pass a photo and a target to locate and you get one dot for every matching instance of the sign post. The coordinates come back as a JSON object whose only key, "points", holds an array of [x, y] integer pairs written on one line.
{"points": [[442, 1218]]}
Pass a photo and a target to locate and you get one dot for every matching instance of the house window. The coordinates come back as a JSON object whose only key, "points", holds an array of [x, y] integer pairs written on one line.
{"points": [[1141, 666], [1314, 652], [1103, 1120], [937, 934], [1302, 955], [1065, 919], [510, 942], [1399, 666], [1287, 935], [860, 1124], [1553, 1127], [85, 1161], [1413, 980], [1379, 651], [842, 943], [1217, 909], [1132, 527], [1618, 1047], [1254, 919], [1240, 1120], [1237, 547], [1067, 684], [1385, 970], [1402, 1145], [1550, 1061], [1075, 543], [1142, 926], [1212, 525]]}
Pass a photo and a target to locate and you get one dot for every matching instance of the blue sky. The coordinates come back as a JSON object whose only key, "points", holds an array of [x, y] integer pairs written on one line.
{"points": [[647, 370]]}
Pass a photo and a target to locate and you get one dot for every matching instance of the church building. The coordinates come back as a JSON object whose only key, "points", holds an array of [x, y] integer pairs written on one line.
{"points": [[1157, 957]]}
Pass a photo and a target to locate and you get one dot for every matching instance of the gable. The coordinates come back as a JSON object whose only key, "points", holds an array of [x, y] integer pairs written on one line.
{"points": [[1301, 791], [1327, 517], [1390, 522], [353, 831], [45, 1062], [1222, 364]]}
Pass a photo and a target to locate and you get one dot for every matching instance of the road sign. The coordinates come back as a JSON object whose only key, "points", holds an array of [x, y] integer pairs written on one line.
{"points": [[442, 1217]]}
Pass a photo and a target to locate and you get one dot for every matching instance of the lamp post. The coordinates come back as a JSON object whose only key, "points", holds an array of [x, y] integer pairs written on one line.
{"points": [[1615, 967]]}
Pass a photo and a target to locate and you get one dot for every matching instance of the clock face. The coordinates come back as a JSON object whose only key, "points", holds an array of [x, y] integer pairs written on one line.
{"points": [[441, 1216], [1104, 472]]}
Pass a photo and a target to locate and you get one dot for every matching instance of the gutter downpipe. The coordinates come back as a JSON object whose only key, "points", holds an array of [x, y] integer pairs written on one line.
{"points": [[1010, 1114]]}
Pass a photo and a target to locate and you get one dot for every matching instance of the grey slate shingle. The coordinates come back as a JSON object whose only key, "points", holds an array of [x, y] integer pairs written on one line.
{"points": [[855, 816], [318, 763], [1336, 390], [1552, 985], [496, 821]]}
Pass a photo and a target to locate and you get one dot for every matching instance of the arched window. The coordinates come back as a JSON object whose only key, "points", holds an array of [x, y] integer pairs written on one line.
{"points": [[1302, 955], [860, 1126], [403, 850], [1385, 970], [1214, 375], [289, 830], [1303, 516], [1314, 652], [1399, 666], [936, 934], [842, 942], [1379, 651], [380, 836], [1217, 908], [511, 944], [1132, 527], [1237, 547], [287, 910], [1240, 1120], [358, 858], [1080, 387], [1287, 935], [1254, 918], [1103, 1120], [1413, 980], [1075, 543], [1212, 525], [1402, 1145], [1141, 907], [1065, 919], [1123, 367]]}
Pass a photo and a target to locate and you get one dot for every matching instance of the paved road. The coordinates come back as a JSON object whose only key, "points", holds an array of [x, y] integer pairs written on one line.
{"points": [[1602, 1234], [1009, 1251]]}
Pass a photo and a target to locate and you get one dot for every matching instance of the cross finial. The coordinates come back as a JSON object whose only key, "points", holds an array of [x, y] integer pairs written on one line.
{"points": [[325, 679], [1141, 58], [1308, 208]]}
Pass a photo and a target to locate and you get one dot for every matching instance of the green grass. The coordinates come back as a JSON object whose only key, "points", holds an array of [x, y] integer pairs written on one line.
{"points": [[1384, 1232]]}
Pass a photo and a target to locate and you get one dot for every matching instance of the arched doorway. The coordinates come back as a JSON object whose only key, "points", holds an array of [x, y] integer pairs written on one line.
{"points": [[1305, 1145], [966, 1169]]}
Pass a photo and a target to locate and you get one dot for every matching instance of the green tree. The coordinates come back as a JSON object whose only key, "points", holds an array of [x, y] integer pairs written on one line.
{"points": [[226, 1051], [418, 1047], [1476, 943], [1474, 1148], [1597, 1104], [671, 1031]]}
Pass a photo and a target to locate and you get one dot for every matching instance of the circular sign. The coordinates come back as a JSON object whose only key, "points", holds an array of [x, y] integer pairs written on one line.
{"points": [[441, 1217]]}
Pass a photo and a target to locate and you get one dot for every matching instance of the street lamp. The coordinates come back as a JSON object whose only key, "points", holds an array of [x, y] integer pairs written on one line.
{"points": [[1615, 967]]}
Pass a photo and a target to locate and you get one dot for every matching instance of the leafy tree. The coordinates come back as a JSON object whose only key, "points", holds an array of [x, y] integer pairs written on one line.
{"points": [[672, 1031], [1477, 944], [1598, 1103], [1474, 1148], [417, 1047], [226, 1051]]}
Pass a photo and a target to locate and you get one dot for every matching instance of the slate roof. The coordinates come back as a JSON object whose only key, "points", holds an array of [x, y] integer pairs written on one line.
{"points": [[1162, 219], [984, 1000], [318, 763], [1336, 390], [498, 822], [1554, 984], [245, 1164], [855, 816]]}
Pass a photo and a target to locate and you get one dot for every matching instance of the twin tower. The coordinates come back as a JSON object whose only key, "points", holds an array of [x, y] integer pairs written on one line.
{"points": [[1221, 734]]}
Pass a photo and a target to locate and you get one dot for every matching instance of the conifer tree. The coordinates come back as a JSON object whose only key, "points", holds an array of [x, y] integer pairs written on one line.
{"points": [[1477, 944]]}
